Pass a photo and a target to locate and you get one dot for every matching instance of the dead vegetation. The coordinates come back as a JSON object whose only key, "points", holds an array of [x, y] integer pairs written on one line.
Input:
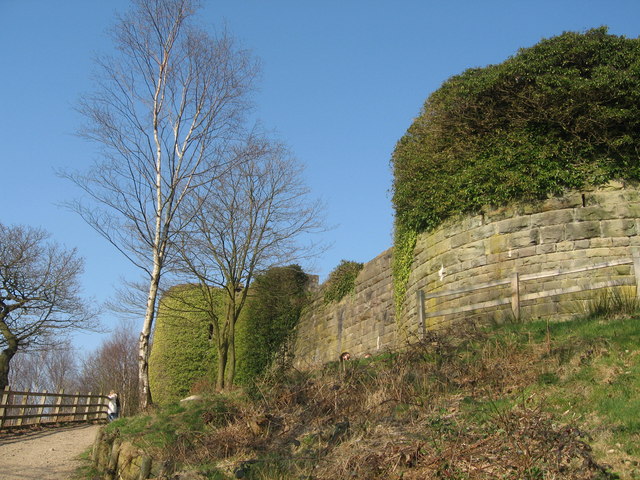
{"points": [[453, 406]]}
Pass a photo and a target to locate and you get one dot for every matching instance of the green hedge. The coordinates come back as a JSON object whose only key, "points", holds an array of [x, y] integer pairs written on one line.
{"points": [[276, 300], [559, 115], [183, 352]]}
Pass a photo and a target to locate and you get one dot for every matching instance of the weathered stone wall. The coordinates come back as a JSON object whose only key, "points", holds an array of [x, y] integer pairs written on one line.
{"points": [[577, 230], [363, 322]]}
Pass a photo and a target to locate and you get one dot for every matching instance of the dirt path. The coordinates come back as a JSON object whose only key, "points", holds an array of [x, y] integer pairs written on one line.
{"points": [[49, 454]]}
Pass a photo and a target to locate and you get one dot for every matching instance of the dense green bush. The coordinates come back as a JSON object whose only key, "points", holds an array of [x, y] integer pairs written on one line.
{"points": [[563, 114], [183, 351], [559, 115], [276, 300], [341, 281]]}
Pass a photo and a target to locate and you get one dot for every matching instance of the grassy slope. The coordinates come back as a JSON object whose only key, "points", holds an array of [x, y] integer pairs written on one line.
{"points": [[514, 401]]}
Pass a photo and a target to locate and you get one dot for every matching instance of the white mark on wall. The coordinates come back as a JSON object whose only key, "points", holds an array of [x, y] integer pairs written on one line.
{"points": [[441, 273], [509, 253], [378, 343]]}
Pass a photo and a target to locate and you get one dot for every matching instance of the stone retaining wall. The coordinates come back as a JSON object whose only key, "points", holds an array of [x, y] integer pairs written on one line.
{"points": [[362, 322], [563, 233], [578, 230]]}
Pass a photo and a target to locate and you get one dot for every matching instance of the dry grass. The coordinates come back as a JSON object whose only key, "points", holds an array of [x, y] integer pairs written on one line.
{"points": [[449, 407]]}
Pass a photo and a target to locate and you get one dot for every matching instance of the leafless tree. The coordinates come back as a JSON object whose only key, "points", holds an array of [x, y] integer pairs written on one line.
{"points": [[39, 293], [256, 216], [166, 110], [114, 366], [51, 369]]}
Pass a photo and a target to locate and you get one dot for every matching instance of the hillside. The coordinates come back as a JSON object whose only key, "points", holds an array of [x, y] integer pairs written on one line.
{"points": [[520, 401]]}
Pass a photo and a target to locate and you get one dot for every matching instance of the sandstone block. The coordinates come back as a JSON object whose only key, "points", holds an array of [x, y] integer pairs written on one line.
{"points": [[552, 234], [558, 203], [595, 212], [496, 244], [620, 241], [539, 310], [554, 217], [524, 238], [606, 253], [545, 248], [627, 210], [581, 230], [618, 228], [513, 224]]}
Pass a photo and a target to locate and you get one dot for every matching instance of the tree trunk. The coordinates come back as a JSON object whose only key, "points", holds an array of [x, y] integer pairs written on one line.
{"points": [[4, 369], [145, 334], [231, 363], [223, 349], [7, 354], [5, 358]]}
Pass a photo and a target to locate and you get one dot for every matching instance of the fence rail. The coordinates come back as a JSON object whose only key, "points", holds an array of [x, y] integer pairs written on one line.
{"points": [[515, 280], [19, 408]]}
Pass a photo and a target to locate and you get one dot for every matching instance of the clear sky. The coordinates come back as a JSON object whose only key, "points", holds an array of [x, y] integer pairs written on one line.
{"points": [[342, 81]]}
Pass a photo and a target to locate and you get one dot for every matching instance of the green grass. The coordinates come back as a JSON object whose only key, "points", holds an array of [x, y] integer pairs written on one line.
{"points": [[162, 429]]}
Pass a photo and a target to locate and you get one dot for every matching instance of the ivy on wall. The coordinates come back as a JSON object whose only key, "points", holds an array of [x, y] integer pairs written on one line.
{"points": [[265, 338], [183, 352], [563, 114], [341, 281]]}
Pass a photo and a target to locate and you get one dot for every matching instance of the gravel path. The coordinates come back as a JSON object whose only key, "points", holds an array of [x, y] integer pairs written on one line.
{"points": [[49, 454]]}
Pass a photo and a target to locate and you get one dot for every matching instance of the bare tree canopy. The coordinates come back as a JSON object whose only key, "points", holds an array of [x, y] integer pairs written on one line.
{"points": [[114, 366], [52, 369], [167, 109], [39, 293], [258, 215]]}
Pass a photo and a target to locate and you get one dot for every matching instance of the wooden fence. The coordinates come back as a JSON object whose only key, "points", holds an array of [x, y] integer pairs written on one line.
{"points": [[515, 298], [19, 409]]}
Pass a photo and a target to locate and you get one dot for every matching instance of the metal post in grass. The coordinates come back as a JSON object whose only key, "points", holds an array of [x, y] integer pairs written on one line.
{"points": [[635, 252], [421, 315], [515, 295]]}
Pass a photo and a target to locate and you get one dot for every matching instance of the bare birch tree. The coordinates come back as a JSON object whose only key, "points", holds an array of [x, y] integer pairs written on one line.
{"points": [[166, 108], [256, 216], [39, 293]]}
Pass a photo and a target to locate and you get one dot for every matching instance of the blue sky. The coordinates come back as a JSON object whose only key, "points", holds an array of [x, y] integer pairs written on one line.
{"points": [[341, 83]]}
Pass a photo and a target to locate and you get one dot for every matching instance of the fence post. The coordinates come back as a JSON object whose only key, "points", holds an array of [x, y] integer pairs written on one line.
{"points": [[3, 402], [515, 295], [41, 409], [25, 399], [74, 412], [86, 410], [421, 315], [56, 411]]}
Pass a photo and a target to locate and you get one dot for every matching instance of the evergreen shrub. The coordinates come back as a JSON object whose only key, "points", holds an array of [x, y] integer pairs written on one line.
{"points": [[341, 281], [276, 301], [561, 115], [183, 351]]}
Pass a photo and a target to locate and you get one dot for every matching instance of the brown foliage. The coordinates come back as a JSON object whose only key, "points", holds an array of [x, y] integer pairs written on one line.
{"points": [[409, 415]]}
